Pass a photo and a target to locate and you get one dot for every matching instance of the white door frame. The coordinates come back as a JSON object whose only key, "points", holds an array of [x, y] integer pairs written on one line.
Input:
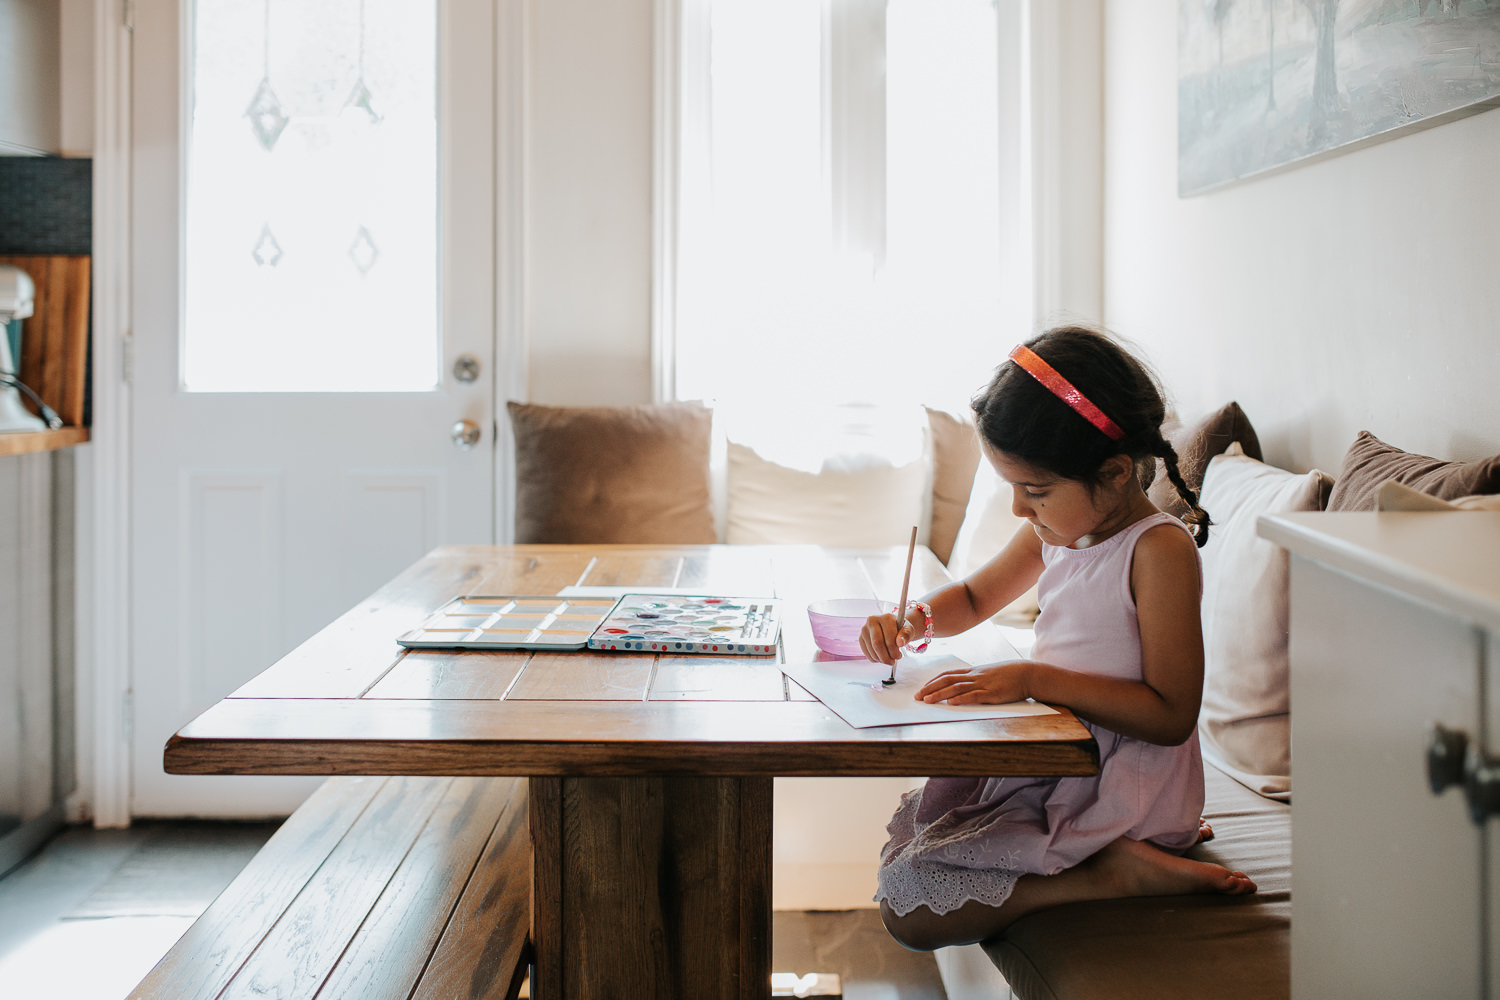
{"points": [[104, 668], [104, 611]]}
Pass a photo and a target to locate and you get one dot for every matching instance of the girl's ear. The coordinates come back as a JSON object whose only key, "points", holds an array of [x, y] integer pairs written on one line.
{"points": [[1118, 470]]}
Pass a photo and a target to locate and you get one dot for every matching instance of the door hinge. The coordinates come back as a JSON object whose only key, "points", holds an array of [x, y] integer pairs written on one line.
{"points": [[127, 358], [127, 14]]}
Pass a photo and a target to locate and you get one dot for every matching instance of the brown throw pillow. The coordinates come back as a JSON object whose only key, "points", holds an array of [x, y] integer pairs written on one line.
{"points": [[955, 457], [632, 474], [1196, 445], [1370, 462]]}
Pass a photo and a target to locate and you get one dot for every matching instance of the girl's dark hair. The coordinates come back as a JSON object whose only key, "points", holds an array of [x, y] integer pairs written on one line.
{"points": [[1019, 416]]}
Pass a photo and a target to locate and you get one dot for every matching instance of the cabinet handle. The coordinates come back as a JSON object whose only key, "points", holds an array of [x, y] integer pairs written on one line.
{"points": [[1481, 784], [1454, 759], [1446, 757]]}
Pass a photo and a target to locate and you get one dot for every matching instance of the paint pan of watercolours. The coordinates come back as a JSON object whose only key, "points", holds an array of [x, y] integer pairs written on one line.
{"points": [[673, 623], [639, 623], [511, 622]]}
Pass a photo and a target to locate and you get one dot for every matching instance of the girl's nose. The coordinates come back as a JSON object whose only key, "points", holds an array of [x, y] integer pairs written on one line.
{"points": [[1018, 505]]}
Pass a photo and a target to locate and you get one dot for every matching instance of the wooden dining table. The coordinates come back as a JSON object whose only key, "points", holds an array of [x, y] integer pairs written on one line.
{"points": [[650, 774]]}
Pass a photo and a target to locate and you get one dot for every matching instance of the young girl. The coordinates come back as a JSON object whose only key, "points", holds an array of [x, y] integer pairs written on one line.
{"points": [[1071, 423]]}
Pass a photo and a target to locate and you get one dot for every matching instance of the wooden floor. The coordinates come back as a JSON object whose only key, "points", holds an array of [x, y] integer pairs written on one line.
{"points": [[123, 897]]}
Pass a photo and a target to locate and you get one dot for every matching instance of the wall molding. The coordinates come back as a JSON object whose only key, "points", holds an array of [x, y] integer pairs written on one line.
{"points": [[104, 618], [1060, 50], [666, 83], [512, 374]]}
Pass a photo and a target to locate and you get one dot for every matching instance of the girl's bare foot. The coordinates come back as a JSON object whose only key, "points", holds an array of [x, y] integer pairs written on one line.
{"points": [[1136, 868], [1205, 832]]}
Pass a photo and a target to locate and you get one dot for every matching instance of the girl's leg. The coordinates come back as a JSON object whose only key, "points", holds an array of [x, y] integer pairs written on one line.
{"points": [[1124, 868]]}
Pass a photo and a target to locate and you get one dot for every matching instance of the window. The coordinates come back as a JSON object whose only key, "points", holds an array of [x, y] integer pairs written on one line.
{"points": [[311, 220], [837, 213]]}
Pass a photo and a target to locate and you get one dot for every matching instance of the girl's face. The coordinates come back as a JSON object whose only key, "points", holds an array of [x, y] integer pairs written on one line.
{"points": [[1061, 511]]}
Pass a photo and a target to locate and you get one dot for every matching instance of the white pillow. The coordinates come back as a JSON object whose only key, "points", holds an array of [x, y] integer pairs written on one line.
{"points": [[850, 475], [987, 527], [1245, 724], [847, 503]]}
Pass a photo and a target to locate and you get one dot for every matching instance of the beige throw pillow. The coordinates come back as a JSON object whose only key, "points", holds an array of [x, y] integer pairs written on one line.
{"points": [[1245, 725], [955, 458]]}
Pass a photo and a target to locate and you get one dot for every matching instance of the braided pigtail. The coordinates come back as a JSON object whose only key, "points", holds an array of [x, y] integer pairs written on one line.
{"points": [[1197, 518]]}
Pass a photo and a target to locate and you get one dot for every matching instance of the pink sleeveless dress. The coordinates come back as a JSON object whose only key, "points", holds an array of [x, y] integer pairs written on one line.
{"points": [[960, 839]]}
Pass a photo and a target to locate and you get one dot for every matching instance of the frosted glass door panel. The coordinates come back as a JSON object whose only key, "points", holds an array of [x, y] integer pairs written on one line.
{"points": [[311, 260]]}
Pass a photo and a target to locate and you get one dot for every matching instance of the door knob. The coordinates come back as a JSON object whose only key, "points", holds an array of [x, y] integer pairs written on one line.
{"points": [[466, 368], [466, 434]]}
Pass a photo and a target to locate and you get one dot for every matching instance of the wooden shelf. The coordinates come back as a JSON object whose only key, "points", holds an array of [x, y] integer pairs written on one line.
{"points": [[26, 442]]}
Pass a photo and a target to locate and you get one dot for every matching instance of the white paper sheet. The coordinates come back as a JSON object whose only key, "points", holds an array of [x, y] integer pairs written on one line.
{"points": [[852, 689]]}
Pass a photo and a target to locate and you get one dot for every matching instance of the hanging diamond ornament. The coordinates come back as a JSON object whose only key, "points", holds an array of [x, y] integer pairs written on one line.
{"points": [[267, 252], [363, 251], [267, 120], [360, 98]]}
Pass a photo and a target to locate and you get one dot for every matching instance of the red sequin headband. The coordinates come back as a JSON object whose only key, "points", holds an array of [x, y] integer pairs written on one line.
{"points": [[1063, 390]]}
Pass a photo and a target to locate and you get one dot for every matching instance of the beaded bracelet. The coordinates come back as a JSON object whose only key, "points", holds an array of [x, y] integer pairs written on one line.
{"points": [[926, 610]]}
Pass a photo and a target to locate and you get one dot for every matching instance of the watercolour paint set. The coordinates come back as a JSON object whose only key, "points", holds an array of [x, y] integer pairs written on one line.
{"points": [[637, 623]]}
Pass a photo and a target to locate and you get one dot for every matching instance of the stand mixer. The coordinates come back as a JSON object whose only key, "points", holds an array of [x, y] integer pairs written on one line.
{"points": [[17, 299]]}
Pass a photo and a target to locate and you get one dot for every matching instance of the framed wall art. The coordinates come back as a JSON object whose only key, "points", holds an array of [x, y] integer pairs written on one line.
{"points": [[1266, 84]]}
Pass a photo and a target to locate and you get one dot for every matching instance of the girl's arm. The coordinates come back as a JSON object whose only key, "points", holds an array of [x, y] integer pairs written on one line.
{"points": [[1160, 708], [958, 607]]}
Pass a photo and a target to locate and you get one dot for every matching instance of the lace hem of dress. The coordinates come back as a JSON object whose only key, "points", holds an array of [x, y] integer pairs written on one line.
{"points": [[942, 888], [940, 867]]}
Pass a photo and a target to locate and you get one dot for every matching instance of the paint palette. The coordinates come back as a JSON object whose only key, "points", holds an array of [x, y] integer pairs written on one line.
{"points": [[511, 622], [672, 623], [646, 623]]}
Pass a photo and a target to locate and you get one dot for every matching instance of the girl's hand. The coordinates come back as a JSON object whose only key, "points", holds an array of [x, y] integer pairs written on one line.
{"points": [[996, 685], [883, 636]]}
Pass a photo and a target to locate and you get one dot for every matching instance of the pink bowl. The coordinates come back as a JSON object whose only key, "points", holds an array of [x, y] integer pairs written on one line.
{"points": [[836, 624]]}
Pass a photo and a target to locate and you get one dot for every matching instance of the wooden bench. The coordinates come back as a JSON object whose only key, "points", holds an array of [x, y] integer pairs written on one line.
{"points": [[375, 888]]}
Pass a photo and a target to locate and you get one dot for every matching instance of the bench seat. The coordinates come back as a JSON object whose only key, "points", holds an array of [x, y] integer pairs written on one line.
{"points": [[375, 888], [1170, 947]]}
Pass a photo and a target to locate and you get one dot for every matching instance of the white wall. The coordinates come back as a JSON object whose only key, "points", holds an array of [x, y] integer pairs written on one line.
{"points": [[588, 181], [1352, 294], [76, 77], [29, 55]]}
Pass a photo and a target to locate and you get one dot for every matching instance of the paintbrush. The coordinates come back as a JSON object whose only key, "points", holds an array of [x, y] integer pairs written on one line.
{"points": [[911, 548]]}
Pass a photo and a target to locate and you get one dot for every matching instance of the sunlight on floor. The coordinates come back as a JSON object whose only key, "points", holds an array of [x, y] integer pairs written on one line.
{"points": [[89, 959]]}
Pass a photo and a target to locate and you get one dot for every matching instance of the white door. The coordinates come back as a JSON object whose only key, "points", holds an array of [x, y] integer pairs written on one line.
{"points": [[313, 253]]}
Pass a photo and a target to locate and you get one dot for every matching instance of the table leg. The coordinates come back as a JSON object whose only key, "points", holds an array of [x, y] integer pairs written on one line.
{"points": [[651, 887]]}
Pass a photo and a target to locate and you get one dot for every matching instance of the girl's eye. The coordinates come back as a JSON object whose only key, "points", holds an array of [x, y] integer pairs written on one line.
{"points": [[1035, 495]]}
